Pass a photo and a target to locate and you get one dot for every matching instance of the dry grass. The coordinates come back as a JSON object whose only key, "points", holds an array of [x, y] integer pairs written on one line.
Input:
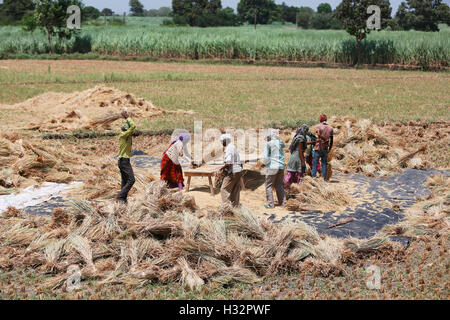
{"points": [[170, 242]]}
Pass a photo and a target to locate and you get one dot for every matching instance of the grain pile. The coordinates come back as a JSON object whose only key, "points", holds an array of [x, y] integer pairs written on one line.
{"points": [[162, 237], [95, 108]]}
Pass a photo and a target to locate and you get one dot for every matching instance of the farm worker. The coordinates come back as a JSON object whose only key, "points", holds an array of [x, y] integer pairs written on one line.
{"points": [[171, 171], [231, 185], [296, 166], [323, 146], [311, 141], [273, 159], [126, 171]]}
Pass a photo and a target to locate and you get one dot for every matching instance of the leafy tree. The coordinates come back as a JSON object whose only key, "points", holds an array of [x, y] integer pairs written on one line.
{"points": [[353, 14], [51, 16], [90, 13], [136, 8], [423, 15], [321, 21], [14, 10], [304, 16], [107, 12], [164, 12], [324, 8], [257, 11], [196, 12], [288, 13]]}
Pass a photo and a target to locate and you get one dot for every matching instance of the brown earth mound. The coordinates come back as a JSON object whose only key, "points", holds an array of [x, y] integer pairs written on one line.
{"points": [[90, 109]]}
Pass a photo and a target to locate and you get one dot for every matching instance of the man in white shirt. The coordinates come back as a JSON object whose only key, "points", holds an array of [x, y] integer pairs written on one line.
{"points": [[231, 186]]}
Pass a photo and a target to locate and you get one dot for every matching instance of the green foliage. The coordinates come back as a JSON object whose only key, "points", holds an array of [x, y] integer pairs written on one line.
{"points": [[51, 17], [423, 15], [353, 14], [257, 11], [324, 8], [201, 13], [90, 13], [288, 14], [142, 37], [108, 12], [12, 11], [161, 12], [136, 8], [304, 17]]}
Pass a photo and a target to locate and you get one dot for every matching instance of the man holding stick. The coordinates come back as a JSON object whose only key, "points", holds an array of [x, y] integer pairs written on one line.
{"points": [[126, 171]]}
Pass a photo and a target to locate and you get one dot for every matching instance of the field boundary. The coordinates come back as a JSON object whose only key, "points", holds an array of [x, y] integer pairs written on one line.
{"points": [[280, 63]]}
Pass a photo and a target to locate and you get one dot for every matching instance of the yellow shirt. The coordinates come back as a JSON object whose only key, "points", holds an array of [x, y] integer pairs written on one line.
{"points": [[125, 139]]}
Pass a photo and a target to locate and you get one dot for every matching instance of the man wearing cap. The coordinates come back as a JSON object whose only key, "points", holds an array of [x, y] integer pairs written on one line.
{"points": [[126, 171], [231, 185], [323, 146]]}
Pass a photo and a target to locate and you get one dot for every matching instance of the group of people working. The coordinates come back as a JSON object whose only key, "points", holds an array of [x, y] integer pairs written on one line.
{"points": [[305, 148]]}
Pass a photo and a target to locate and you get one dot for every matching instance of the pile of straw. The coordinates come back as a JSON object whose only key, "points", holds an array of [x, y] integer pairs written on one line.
{"points": [[361, 146], [26, 161], [95, 108], [316, 194], [160, 237]]}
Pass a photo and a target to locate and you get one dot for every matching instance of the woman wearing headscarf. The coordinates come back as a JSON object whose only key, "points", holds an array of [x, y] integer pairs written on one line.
{"points": [[296, 166], [274, 160], [171, 171]]}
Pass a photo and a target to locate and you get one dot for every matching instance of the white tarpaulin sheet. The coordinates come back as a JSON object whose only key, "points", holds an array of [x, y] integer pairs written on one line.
{"points": [[34, 195]]}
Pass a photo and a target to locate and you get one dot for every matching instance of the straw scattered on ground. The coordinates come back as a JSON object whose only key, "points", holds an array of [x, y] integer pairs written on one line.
{"points": [[161, 237]]}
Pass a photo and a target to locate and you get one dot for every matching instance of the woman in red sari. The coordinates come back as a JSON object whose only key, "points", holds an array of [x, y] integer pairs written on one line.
{"points": [[171, 171]]}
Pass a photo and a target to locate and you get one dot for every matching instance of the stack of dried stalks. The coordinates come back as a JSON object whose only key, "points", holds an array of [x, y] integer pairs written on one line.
{"points": [[161, 237], [363, 147], [316, 194], [427, 217], [26, 161]]}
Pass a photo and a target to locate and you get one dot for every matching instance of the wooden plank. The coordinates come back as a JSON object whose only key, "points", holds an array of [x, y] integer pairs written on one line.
{"points": [[199, 174]]}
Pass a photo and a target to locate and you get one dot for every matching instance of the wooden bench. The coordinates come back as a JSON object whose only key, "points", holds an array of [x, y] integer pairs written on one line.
{"points": [[207, 171]]}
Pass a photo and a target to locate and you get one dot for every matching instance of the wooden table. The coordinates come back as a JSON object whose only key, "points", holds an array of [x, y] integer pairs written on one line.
{"points": [[206, 171]]}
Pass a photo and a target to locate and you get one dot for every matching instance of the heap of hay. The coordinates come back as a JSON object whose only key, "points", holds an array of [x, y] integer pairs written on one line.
{"points": [[161, 237], [429, 217], [316, 194], [90, 109], [25, 162], [365, 147]]}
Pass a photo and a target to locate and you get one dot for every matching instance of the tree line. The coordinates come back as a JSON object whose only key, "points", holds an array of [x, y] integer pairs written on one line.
{"points": [[423, 15]]}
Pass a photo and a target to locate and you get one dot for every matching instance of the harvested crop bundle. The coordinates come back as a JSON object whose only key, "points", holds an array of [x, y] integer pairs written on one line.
{"points": [[314, 194]]}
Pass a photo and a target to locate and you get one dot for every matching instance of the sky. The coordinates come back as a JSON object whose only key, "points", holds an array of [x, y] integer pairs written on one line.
{"points": [[120, 6]]}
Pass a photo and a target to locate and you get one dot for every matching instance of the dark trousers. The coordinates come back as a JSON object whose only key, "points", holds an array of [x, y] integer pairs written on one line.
{"points": [[126, 171]]}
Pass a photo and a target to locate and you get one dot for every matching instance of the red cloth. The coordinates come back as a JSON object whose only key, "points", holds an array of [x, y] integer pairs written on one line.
{"points": [[170, 171], [309, 160], [322, 118]]}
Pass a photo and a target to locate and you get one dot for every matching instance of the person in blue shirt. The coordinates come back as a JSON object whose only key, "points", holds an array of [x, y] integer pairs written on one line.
{"points": [[273, 159]]}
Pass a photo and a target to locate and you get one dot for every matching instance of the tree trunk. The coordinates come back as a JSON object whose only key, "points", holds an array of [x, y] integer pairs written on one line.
{"points": [[256, 14], [49, 39], [358, 48]]}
